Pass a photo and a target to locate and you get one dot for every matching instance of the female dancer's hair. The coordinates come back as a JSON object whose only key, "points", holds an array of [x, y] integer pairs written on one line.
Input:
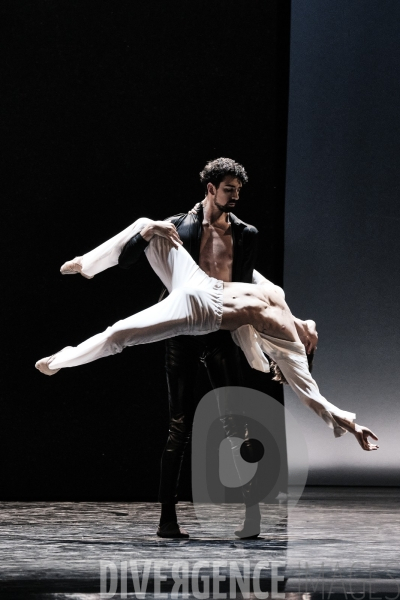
{"points": [[279, 376], [215, 171]]}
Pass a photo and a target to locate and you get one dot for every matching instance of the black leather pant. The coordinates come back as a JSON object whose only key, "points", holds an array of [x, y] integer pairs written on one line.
{"points": [[184, 354]]}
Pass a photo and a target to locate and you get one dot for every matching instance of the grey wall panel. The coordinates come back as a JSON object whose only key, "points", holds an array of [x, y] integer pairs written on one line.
{"points": [[342, 242]]}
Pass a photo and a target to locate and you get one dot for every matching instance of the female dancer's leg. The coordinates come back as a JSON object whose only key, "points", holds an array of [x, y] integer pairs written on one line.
{"points": [[174, 266], [106, 255], [167, 319], [194, 306]]}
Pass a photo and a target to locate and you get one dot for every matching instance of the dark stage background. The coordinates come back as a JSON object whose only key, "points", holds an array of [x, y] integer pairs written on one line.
{"points": [[111, 109], [342, 240]]}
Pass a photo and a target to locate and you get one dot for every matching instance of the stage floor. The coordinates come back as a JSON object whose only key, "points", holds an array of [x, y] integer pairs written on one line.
{"points": [[336, 543]]}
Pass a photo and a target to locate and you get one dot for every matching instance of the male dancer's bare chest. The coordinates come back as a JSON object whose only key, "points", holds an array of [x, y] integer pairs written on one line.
{"points": [[216, 251]]}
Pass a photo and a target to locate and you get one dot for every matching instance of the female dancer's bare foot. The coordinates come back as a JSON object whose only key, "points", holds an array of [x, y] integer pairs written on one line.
{"points": [[72, 267], [43, 366], [360, 432]]}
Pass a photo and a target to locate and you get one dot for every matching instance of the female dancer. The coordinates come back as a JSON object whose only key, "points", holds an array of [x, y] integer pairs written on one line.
{"points": [[257, 315]]}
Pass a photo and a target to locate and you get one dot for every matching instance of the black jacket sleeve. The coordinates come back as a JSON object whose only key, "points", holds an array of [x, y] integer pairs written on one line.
{"points": [[132, 251], [250, 247]]}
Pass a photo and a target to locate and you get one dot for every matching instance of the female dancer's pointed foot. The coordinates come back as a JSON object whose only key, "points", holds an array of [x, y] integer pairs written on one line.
{"points": [[72, 267], [43, 366]]}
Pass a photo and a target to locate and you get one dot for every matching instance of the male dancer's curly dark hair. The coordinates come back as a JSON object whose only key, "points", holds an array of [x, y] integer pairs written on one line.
{"points": [[279, 376], [215, 171]]}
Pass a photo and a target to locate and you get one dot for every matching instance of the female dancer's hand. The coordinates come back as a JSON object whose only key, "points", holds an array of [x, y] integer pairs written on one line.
{"points": [[362, 434], [164, 229]]}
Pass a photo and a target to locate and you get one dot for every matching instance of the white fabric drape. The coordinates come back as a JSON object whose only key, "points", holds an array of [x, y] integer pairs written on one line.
{"points": [[291, 358]]}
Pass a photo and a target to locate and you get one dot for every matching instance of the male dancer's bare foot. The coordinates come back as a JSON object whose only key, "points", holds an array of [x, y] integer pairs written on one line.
{"points": [[43, 366], [72, 267], [360, 432]]}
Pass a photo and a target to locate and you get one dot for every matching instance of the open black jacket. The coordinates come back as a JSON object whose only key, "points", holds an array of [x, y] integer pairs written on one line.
{"points": [[189, 227]]}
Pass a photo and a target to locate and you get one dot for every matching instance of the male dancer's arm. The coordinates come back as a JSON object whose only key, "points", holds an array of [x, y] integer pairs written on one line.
{"points": [[135, 247], [250, 240]]}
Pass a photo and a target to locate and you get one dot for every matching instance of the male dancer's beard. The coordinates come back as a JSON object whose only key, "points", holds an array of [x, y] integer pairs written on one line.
{"points": [[223, 207]]}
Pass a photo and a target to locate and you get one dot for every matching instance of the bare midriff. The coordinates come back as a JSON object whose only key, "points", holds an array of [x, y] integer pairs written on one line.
{"points": [[262, 306], [216, 251]]}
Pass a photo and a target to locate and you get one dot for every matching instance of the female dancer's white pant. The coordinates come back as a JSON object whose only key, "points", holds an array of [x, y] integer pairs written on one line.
{"points": [[193, 307]]}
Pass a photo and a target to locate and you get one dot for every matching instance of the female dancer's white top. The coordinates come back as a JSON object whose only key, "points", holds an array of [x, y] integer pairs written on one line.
{"points": [[292, 361], [198, 299]]}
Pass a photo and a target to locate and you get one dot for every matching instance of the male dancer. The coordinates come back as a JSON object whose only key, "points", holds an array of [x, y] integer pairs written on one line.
{"points": [[225, 248]]}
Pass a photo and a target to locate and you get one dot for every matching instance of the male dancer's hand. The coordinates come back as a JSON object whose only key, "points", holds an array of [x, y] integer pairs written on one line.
{"points": [[163, 229], [307, 332], [311, 336]]}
